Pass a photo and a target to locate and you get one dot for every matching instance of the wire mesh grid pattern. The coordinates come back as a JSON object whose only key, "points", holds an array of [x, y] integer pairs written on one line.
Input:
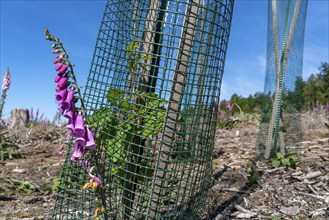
{"points": [[152, 98], [283, 80]]}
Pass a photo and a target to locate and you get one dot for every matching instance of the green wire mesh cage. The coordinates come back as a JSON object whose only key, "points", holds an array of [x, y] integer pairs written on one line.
{"points": [[280, 129], [152, 99]]}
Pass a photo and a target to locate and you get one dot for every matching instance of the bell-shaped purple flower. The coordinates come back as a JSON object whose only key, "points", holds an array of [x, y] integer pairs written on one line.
{"points": [[63, 69], [78, 152], [58, 59], [57, 78], [62, 83], [69, 99], [70, 126], [80, 140], [58, 66], [90, 141], [61, 95], [61, 107], [79, 126], [70, 113]]}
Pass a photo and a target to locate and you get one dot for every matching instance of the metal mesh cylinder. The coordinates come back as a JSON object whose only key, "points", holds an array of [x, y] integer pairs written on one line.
{"points": [[280, 129], [151, 97]]}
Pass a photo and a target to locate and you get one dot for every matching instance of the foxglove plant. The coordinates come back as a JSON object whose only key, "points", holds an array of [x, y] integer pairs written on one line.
{"points": [[67, 94], [225, 111], [5, 88]]}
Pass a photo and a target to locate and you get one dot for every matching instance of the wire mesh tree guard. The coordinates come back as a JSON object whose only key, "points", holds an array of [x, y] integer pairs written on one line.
{"points": [[152, 98], [280, 129]]}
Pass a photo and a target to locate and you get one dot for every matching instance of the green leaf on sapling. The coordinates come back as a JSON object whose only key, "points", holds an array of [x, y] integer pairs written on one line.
{"points": [[114, 95]]}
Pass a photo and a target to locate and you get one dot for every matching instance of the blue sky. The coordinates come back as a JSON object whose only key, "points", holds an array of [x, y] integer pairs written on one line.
{"points": [[25, 51]]}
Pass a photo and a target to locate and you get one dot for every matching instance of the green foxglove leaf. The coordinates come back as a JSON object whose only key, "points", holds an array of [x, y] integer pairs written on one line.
{"points": [[279, 156], [276, 163], [285, 162]]}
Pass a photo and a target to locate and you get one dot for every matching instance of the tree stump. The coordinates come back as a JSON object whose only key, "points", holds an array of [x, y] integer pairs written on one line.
{"points": [[19, 118]]}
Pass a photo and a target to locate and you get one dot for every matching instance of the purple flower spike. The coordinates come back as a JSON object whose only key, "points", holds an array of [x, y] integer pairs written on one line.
{"points": [[229, 106], [6, 81], [90, 142], [69, 99], [58, 66], [79, 125], [61, 96], [78, 152], [63, 69], [62, 82]]}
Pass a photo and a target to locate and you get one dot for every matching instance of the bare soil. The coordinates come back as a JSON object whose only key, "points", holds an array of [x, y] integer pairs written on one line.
{"points": [[285, 193]]}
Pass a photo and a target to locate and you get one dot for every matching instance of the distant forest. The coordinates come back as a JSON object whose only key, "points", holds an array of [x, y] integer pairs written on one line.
{"points": [[310, 94]]}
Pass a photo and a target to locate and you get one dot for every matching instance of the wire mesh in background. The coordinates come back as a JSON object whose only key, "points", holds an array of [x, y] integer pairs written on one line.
{"points": [[152, 99], [280, 129]]}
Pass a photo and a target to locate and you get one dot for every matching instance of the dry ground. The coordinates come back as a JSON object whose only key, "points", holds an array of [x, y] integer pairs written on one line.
{"points": [[286, 193]]}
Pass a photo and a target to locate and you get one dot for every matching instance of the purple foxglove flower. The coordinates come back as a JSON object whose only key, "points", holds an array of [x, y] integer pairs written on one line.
{"points": [[96, 179], [70, 126], [90, 141], [79, 126], [57, 89], [229, 106], [61, 107], [41, 116], [63, 69], [80, 140], [56, 51], [58, 59], [70, 113], [222, 114], [58, 66], [31, 114], [62, 83], [6, 81], [61, 96], [69, 99], [36, 114], [68, 135], [77, 153], [57, 78]]}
